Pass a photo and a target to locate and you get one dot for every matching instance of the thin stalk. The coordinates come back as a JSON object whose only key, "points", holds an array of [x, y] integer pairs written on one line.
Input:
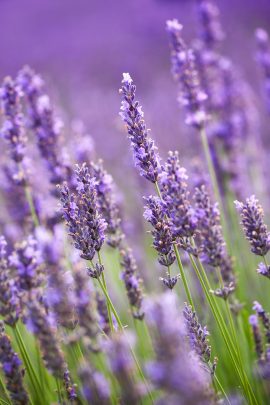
{"points": [[32, 375], [222, 389], [229, 342], [3, 387], [58, 389], [105, 286], [30, 201]]}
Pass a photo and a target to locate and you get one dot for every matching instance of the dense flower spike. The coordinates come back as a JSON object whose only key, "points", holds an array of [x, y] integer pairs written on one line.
{"points": [[163, 240], [44, 123], [211, 29], [11, 365], [80, 210], [107, 203], [122, 367], [262, 351], [41, 325], [181, 216], [251, 213], [132, 282], [86, 308], [9, 301], [184, 71], [198, 335], [70, 387], [12, 129], [263, 59], [145, 153], [177, 370], [95, 387], [26, 261]]}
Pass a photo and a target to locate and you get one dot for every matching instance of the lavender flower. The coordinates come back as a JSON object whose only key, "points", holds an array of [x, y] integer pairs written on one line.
{"points": [[253, 320], [211, 30], [144, 149], [84, 222], [44, 123], [122, 367], [26, 261], [264, 318], [9, 301], [12, 129], [251, 213], [192, 97], [41, 325], [264, 270], [95, 387], [198, 335], [132, 282], [86, 309], [181, 217], [11, 365], [107, 204], [263, 59], [177, 370], [163, 240]]}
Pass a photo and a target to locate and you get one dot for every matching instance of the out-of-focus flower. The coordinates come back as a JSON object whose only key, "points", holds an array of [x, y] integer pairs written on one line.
{"points": [[211, 32], [70, 387], [177, 370], [11, 366], [252, 221], [95, 387], [263, 59], [144, 150], [192, 97]]}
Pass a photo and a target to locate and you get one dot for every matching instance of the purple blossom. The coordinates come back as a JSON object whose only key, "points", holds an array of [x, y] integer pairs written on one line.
{"points": [[181, 216], [264, 270], [107, 203], [80, 210], [252, 221], [122, 367], [95, 387], [26, 261], [263, 59], [144, 150], [9, 295], [176, 370], [211, 32], [132, 282], [192, 97], [13, 372], [198, 335], [41, 325], [70, 387], [12, 129]]}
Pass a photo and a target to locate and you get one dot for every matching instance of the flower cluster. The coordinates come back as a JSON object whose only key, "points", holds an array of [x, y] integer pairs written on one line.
{"points": [[144, 150], [192, 97], [252, 221], [84, 222]]}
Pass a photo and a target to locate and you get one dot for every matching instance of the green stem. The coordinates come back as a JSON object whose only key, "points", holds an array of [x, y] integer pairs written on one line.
{"points": [[105, 286], [3, 387], [183, 277], [122, 328], [28, 364], [29, 199], [58, 389]]}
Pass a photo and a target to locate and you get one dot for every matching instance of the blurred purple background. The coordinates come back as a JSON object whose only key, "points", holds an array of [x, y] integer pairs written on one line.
{"points": [[83, 46]]}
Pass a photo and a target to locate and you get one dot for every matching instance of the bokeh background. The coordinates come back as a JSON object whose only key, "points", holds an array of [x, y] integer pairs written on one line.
{"points": [[83, 46]]}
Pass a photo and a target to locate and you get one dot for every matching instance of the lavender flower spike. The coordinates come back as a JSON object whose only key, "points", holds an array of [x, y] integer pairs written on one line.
{"points": [[192, 97], [264, 270], [181, 216], [251, 213], [13, 372], [95, 387], [83, 220], [211, 30], [145, 152], [12, 129], [263, 59], [177, 370]]}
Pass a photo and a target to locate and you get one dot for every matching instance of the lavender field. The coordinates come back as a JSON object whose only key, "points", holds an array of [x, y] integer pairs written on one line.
{"points": [[134, 265]]}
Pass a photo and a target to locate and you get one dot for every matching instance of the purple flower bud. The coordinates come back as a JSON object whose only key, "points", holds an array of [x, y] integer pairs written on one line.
{"points": [[251, 213], [144, 150], [185, 74], [263, 270], [95, 387]]}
